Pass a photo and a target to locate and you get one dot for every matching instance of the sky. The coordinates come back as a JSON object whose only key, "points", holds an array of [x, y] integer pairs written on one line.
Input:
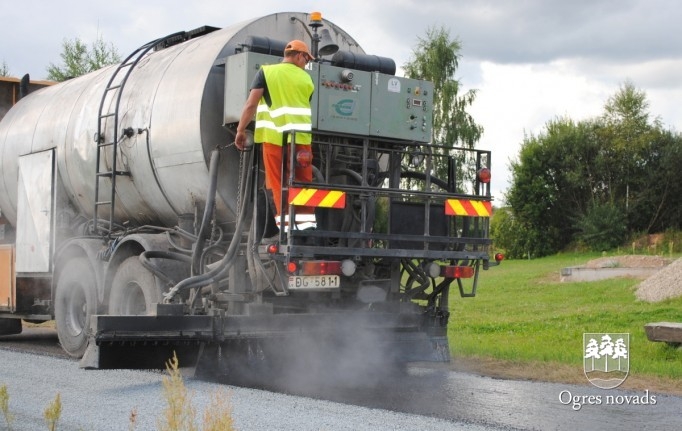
{"points": [[530, 61]]}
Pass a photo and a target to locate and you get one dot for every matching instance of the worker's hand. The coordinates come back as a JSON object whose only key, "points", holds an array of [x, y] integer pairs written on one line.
{"points": [[240, 140], [244, 140]]}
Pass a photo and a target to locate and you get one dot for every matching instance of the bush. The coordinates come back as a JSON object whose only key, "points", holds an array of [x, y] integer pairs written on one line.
{"points": [[604, 227], [518, 240]]}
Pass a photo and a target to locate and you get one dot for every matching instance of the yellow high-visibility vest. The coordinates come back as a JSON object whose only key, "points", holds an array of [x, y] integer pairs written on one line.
{"points": [[290, 89]]}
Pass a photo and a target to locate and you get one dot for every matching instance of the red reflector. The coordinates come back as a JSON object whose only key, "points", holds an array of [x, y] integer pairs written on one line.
{"points": [[499, 257], [457, 271], [292, 267], [272, 248], [321, 267], [484, 175], [304, 158]]}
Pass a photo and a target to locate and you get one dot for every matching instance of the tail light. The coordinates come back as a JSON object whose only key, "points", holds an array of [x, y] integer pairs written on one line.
{"points": [[321, 267], [292, 267], [457, 271], [499, 257]]}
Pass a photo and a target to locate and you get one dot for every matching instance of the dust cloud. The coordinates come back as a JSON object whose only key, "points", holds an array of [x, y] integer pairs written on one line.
{"points": [[353, 356]]}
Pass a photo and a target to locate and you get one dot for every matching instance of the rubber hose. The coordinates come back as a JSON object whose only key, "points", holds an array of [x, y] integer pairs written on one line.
{"points": [[145, 260], [227, 260], [208, 211]]}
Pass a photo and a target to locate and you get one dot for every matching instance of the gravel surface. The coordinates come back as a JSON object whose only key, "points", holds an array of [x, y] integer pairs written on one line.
{"points": [[665, 284], [104, 399], [628, 261]]}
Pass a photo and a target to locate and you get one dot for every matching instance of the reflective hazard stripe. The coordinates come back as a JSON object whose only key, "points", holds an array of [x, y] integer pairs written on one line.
{"points": [[302, 221], [284, 110], [317, 198], [466, 207], [299, 127]]}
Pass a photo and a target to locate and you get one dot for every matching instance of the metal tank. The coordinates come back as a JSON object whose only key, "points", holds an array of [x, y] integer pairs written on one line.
{"points": [[172, 101]]}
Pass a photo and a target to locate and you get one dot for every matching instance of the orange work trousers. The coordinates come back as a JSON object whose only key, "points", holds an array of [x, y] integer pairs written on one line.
{"points": [[272, 162]]}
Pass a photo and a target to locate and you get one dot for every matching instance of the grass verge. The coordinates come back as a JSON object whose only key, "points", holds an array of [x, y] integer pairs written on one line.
{"points": [[525, 324]]}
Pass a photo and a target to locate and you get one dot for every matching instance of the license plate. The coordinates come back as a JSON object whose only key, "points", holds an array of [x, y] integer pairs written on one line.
{"points": [[314, 282]]}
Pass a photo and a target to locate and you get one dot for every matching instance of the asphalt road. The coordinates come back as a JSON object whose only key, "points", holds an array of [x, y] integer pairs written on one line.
{"points": [[460, 398]]}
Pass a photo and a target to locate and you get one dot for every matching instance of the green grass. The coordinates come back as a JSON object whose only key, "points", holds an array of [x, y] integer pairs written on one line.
{"points": [[522, 313]]}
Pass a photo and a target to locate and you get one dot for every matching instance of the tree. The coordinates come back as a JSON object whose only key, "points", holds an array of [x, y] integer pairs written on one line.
{"points": [[436, 59], [596, 181], [626, 134], [628, 109], [644, 161], [78, 60], [553, 181], [4, 69], [653, 191]]}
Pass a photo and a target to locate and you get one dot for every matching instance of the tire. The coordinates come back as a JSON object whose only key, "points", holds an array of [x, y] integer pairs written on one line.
{"points": [[75, 302], [133, 290], [10, 326]]}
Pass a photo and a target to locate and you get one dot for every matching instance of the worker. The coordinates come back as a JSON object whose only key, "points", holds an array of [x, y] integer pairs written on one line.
{"points": [[280, 98]]}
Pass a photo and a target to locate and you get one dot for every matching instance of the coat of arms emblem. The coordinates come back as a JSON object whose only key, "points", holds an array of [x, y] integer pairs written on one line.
{"points": [[605, 360]]}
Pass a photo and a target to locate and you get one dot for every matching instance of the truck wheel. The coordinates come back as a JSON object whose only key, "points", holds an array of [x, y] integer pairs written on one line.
{"points": [[75, 302], [133, 290], [10, 326]]}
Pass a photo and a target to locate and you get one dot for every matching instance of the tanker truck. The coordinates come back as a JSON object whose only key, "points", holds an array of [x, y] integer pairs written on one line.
{"points": [[134, 223]]}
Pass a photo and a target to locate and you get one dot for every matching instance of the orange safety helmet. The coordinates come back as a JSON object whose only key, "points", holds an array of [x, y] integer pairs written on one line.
{"points": [[299, 46]]}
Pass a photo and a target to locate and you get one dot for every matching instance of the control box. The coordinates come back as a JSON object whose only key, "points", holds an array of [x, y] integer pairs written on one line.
{"points": [[345, 101]]}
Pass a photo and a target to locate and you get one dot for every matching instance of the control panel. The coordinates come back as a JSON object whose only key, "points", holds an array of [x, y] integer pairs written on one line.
{"points": [[402, 108], [345, 100]]}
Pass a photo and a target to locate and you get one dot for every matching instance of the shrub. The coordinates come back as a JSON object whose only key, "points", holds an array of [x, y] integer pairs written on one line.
{"points": [[53, 412], [218, 415], [4, 406], [603, 227], [180, 414]]}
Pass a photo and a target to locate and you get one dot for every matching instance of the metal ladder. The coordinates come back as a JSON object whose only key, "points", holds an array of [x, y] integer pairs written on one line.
{"points": [[109, 145]]}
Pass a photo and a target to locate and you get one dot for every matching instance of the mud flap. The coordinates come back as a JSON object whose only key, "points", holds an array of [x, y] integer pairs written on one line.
{"points": [[138, 355], [145, 342], [425, 349], [10, 326]]}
